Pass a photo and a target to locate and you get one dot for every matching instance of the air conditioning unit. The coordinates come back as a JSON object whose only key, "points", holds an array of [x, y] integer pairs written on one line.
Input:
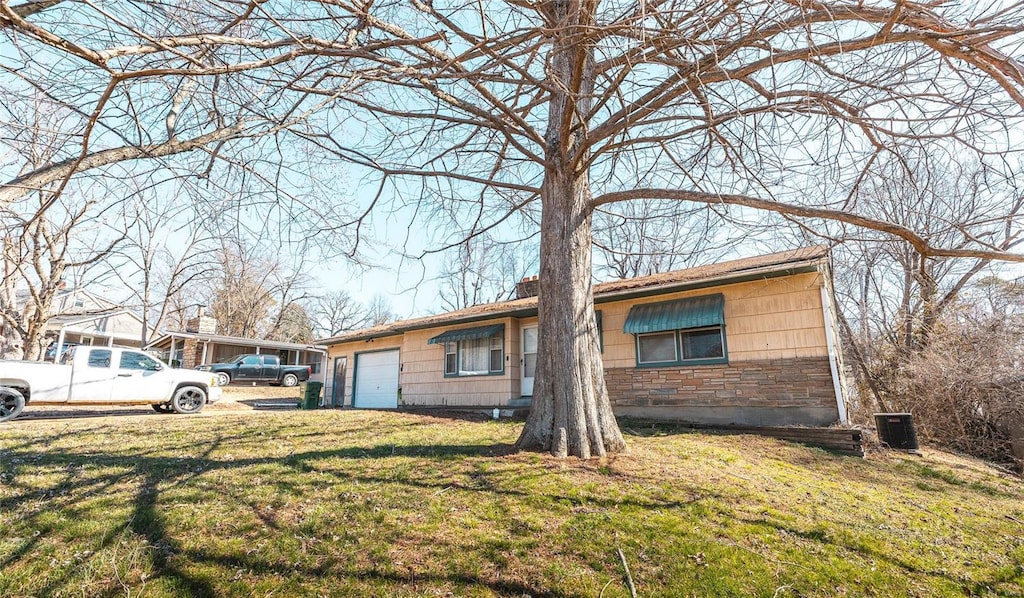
{"points": [[897, 430]]}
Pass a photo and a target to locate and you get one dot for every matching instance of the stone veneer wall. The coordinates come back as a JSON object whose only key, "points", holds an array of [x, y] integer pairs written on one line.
{"points": [[190, 355], [771, 392]]}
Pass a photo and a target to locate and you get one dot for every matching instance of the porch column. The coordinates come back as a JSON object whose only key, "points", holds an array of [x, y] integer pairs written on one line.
{"points": [[60, 346]]}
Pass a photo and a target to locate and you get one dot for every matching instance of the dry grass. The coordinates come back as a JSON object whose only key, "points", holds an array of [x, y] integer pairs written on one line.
{"points": [[368, 503]]}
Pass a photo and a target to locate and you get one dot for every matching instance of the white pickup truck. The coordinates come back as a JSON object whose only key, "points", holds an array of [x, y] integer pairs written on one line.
{"points": [[104, 376]]}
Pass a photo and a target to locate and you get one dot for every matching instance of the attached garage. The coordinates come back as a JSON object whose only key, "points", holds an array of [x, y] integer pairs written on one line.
{"points": [[376, 380]]}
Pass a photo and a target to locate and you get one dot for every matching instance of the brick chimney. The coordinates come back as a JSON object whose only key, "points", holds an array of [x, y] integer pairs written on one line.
{"points": [[527, 287], [201, 324]]}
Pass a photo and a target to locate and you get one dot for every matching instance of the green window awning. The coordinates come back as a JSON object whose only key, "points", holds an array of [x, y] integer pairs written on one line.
{"points": [[693, 312], [465, 334]]}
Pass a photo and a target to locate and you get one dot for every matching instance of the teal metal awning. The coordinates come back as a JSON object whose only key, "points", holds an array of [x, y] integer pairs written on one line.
{"points": [[465, 334], [693, 312]]}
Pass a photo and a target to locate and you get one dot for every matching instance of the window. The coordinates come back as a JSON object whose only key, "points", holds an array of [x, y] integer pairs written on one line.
{"points": [[138, 361], [657, 348], [451, 358], [99, 358], [478, 351], [251, 360], [705, 345], [475, 357], [679, 332]]}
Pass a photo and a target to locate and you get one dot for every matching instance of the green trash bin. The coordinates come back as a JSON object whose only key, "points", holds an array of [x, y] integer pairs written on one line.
{"points": [[309, 394]]}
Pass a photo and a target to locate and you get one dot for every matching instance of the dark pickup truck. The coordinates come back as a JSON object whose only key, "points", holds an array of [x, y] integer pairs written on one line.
{"points": [[258, 368]]}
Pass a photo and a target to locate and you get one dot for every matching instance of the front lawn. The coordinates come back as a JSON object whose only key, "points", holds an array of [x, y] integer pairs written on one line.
{"points": [[358, 503]]}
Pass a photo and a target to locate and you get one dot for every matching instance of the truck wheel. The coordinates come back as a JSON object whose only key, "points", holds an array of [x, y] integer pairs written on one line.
{"points": [[11, 403], [188, 399], [289, 380], [163, 408], [223, 379]]}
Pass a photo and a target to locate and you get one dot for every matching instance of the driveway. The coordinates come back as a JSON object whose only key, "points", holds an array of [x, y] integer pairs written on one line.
{"points": [[235, 401]]}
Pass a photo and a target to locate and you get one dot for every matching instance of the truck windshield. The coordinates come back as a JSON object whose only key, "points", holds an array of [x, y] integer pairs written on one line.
{"points": [[235, 359]]}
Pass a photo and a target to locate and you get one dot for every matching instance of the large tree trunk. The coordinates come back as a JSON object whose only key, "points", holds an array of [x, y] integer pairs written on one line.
{"points": [[571, 413]]}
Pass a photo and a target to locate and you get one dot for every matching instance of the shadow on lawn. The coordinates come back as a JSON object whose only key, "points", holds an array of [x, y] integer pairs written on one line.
{"points": [[169, 559], [89, 475]]}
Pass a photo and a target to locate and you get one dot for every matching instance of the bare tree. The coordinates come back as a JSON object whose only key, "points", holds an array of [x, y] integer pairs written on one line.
{"points": [[166, 252], [379, 311], [336, 312], [891, 296], [257, 295], [292, 325], [182, 93], [482, 270], [48, 242], [117, 112], [39, 257], [647, 237]]}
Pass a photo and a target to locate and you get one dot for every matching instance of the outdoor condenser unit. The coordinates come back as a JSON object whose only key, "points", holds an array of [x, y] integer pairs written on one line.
{"points": [[897, 430]]}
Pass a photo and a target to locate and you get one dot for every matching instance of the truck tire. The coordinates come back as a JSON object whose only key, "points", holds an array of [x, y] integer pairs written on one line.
{"points": [[223, 379], [11, 403], [188, 399], [289, 380]]}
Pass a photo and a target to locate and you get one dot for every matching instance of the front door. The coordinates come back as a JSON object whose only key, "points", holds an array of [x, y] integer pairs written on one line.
{"points": [[338, 384], [529, 359]]}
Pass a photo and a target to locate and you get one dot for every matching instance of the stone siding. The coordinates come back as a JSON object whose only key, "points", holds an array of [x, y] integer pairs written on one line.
{"points": [[749, 392]]}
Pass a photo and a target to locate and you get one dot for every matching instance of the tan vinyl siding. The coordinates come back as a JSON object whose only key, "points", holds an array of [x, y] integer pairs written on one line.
{"points": [[767, 319], [423, 381]]}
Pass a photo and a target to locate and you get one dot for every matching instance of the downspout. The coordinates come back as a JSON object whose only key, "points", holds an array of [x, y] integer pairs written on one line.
{"points": [[833, 356]]}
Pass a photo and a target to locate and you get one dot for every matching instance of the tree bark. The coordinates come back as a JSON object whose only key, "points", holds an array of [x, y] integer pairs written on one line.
{"points": [[571, 413], [569, 395]]}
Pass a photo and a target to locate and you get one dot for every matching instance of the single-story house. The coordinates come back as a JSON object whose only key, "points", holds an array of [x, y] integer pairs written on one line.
{"points": [[199, 344], [750, 341]]}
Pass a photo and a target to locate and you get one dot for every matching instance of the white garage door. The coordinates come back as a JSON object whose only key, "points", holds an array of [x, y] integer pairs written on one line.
{"points": [[376, 380]]}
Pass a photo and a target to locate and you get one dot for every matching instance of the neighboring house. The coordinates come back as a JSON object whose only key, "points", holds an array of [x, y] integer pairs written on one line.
{"points": [[88, 319], [750, 341], [199, 344]]}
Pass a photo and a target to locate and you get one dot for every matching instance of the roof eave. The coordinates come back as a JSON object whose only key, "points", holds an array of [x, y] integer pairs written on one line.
{"points": [[244, 342]]}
